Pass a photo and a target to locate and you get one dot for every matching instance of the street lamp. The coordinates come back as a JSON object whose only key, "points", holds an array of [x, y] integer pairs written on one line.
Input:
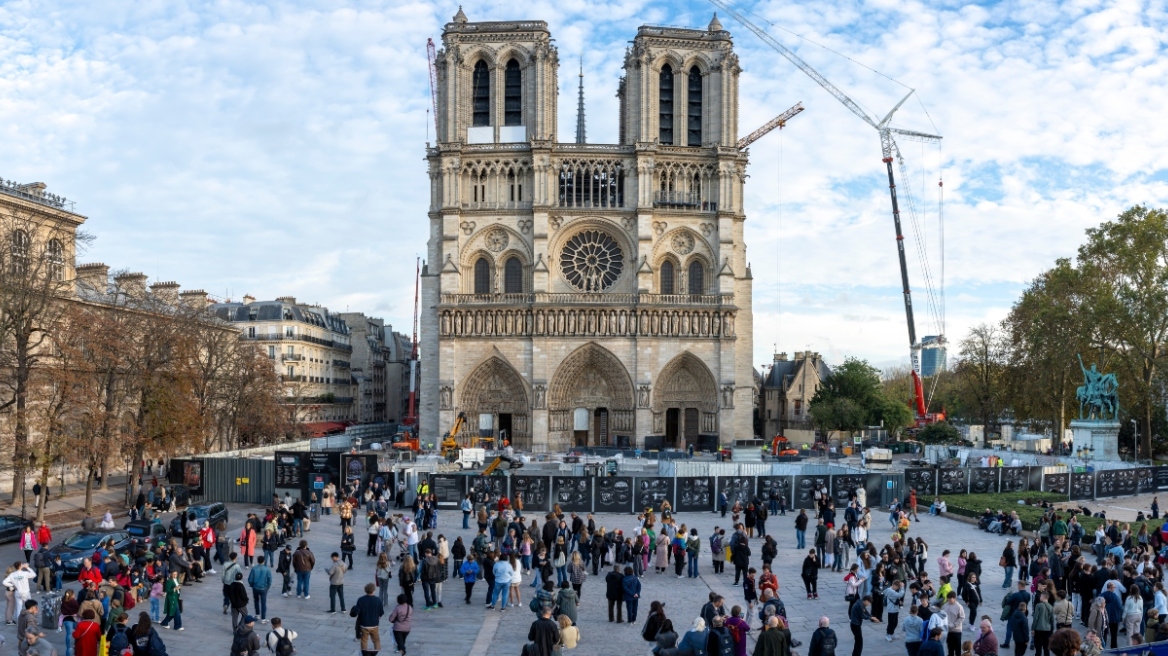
{"points": [[1136, 440]]}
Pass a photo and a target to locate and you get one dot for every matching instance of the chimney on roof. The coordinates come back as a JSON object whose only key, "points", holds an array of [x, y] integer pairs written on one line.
{"points": [[248, 299], [167, 292], [95, 275], [781, 357], [132, 284], [798, 355], [194, 298], [290, 300]]}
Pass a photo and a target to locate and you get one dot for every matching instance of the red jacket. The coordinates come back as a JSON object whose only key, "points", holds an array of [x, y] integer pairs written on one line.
{"points": [[91, 574], [44, 535], [87, 635]]}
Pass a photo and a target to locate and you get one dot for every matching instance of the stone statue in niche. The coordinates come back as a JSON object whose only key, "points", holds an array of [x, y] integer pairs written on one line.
{"points": [[446, 398], [727, 396], [540, 393], [643, 396]]}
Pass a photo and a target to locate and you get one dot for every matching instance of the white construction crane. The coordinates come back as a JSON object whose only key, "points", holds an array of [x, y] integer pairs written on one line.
{"points": [[887, 147], [776, 122]]}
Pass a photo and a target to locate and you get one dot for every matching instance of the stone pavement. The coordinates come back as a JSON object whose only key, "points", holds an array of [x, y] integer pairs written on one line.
{"points": [[462, 629]]}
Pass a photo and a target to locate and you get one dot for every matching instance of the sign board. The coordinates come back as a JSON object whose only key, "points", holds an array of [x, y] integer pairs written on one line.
{"points": [[486, 489], [1082, 486], [695, 494], [1057, 483], [448, 489], [924, 481], [533, 490], [1014, 479], [1161, 476], [1116, 482], [844, 486], [950, 481], [572, 493], [650, 492], [805, 487], [614, 494], [737, 488], [781, 484], [983, 480], [288, 469]]}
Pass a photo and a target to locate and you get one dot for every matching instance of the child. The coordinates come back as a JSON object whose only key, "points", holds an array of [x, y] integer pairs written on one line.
{"points": [[967, 648], [156, 596], [749, 591]]}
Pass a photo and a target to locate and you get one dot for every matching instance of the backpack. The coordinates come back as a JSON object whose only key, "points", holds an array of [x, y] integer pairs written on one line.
{"points": [[240, 644], [678, 550], [1006, 610], [284, 645], [829, 643], [120, 642]]}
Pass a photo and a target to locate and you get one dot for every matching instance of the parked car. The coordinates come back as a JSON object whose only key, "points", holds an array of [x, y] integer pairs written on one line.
{"points": [[82, 544], [213, 512], [152, 531], [10, 527]]}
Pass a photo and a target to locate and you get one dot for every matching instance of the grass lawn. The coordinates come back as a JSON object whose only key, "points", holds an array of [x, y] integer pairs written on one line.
{"points": [[973, 505]]}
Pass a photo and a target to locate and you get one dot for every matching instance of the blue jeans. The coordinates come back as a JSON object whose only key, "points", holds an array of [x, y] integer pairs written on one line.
{"points": [[465, 519], [561, 574], [500, 596], [1009, 576], [261, 602], [526, 560], [631, 610], [302, 580], [269, 558], [156, 609], [538, 580], [693, 567], [69, 626], [297, 528], [177, 617], [801, 538], [774, 506], [58, 579]]}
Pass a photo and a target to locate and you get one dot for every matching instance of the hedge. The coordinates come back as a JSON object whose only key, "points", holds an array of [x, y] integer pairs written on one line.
{"points": [[973, 505]]}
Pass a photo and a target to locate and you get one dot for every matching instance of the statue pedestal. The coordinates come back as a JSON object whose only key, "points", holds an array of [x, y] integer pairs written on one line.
{"points": [[1102, 435]]}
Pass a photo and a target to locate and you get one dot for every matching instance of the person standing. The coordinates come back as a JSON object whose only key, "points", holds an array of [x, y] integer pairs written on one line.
{"points": [[860, 613], [810, 574], [284, 569], [467, 509], [368, 610], [247, 543], [893, 600], [955, 623], [1042, 625], [260, 581], [503, 571], [545, 633], [18, 582], [469, 573], [824, 640], [400, 618], [245, 642], [28, 543], [801, 529], [237, 596], [336, 574], [173, 605], [614, 593], [302, 563], [631, 590], [279, 639]]}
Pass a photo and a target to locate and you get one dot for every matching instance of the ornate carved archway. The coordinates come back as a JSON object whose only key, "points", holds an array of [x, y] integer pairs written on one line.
{"points": [[593, 379], [494, 387], [687, 387]]}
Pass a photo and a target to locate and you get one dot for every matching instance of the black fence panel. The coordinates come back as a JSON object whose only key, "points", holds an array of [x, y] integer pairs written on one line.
{"points": [[1057, 484], [843, 486], [614, 494], [805, 487], [1034, 478], [783, 484], [924, 481], [1015, 479], [486, 489], [572, 493], [1116, 482], [536, 491], [449, 489], [1082, 486], [1161, 475], [737, 488], [650, 492], [1146, 479], [983, 480], [950, 481], [695, 494]]}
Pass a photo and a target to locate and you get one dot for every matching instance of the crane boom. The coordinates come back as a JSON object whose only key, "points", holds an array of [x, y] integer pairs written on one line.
{"points": [[432, 57], [776, 122]]}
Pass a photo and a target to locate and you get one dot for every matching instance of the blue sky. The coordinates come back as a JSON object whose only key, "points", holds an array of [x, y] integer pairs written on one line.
{"points": [[276, 148]]}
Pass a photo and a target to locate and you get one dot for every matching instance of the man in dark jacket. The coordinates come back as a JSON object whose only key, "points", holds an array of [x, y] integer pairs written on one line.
{"points": [[741, 558], [244, 641], [631, 586], [368, 611], [1022, 596], [933, 646], [860, 612], [801, 530], [284, 569], [237, 595], [715, 607], [1114, 612], [302, 563], [615, 593], [824, 640], [772, 641], [544, 633]]}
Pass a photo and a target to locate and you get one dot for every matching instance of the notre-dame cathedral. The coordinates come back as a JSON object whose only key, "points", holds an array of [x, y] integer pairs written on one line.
{"points": [[579, 293]]}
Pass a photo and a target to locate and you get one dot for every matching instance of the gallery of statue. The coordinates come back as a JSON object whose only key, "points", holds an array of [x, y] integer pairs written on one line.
{"points": [[578, 293]]}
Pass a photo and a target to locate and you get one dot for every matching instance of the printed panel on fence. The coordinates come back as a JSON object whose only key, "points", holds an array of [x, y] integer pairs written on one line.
{"points": [[694, 494], [845, 486], [448, 488], [1057, 483], [950, 481], [873, 491], [983, 480], [738, 489], [486, 489], [1034, 478], [1014, 479], [1146, 479], [805, 488], [1082, 486], [614, 494], [534, 490], [1115, 482], [924, 481], [780, 484], [650, 492], [572, 493], [1161, 475]]}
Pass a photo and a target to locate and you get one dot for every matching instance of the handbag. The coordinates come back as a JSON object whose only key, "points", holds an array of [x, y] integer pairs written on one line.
{"points": [[1002, 561], [534, 605]]}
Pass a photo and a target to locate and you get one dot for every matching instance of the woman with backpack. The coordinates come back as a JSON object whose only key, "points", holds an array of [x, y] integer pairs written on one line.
{"points": [[144, 638]]}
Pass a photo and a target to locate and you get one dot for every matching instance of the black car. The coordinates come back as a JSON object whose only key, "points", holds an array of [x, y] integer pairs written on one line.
{"points": [[82, 544], [10, 527], [146, 530], [214, 512]]}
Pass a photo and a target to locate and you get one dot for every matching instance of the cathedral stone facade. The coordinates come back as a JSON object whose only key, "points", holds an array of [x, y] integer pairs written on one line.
{"points": [[587, 294]]}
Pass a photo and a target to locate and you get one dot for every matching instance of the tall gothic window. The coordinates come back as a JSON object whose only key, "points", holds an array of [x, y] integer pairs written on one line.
{"points": [[481, 84], [56, 259], [665, 105], [697, 275], [513, 276], [667, 277], [695, 107], [19, 262], [482, 276], [513, 95]]}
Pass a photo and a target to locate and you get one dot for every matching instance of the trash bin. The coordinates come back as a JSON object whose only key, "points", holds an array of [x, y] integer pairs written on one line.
{"points": [[50, 611]]}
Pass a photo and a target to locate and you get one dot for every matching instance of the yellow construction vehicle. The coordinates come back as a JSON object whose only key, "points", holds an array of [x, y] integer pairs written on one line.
{"points": [[450, 446], [512, 463]]}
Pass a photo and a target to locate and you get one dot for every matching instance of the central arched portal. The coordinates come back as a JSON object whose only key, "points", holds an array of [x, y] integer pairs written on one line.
{"points": [[685, 402], [590, 401]]}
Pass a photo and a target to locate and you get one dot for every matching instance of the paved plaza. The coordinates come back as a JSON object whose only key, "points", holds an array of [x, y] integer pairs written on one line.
{"points": [[461, 629]]}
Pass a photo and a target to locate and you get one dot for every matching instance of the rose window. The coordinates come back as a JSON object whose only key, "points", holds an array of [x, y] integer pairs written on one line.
{"points": [[591, 261]]}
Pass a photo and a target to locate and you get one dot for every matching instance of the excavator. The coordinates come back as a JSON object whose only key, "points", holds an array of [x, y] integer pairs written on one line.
{"points": [[449, 444], [511, 462], [781, 446]]}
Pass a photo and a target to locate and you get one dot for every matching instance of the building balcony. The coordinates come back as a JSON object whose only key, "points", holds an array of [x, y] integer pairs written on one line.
{"points": [[542, 298], [292, 357], [276, 337], [341, 363], [683, 200]]}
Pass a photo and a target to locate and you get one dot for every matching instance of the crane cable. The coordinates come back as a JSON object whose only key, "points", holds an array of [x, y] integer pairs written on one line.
{"points": [[779, 243]]}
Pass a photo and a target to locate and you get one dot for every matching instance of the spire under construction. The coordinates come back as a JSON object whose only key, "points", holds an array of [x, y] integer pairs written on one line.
{"points": [[580, 132]]}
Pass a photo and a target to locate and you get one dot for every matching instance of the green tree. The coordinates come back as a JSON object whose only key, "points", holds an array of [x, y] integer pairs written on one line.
{"points": [[941, 432], [895, 416], [980, 373]]}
